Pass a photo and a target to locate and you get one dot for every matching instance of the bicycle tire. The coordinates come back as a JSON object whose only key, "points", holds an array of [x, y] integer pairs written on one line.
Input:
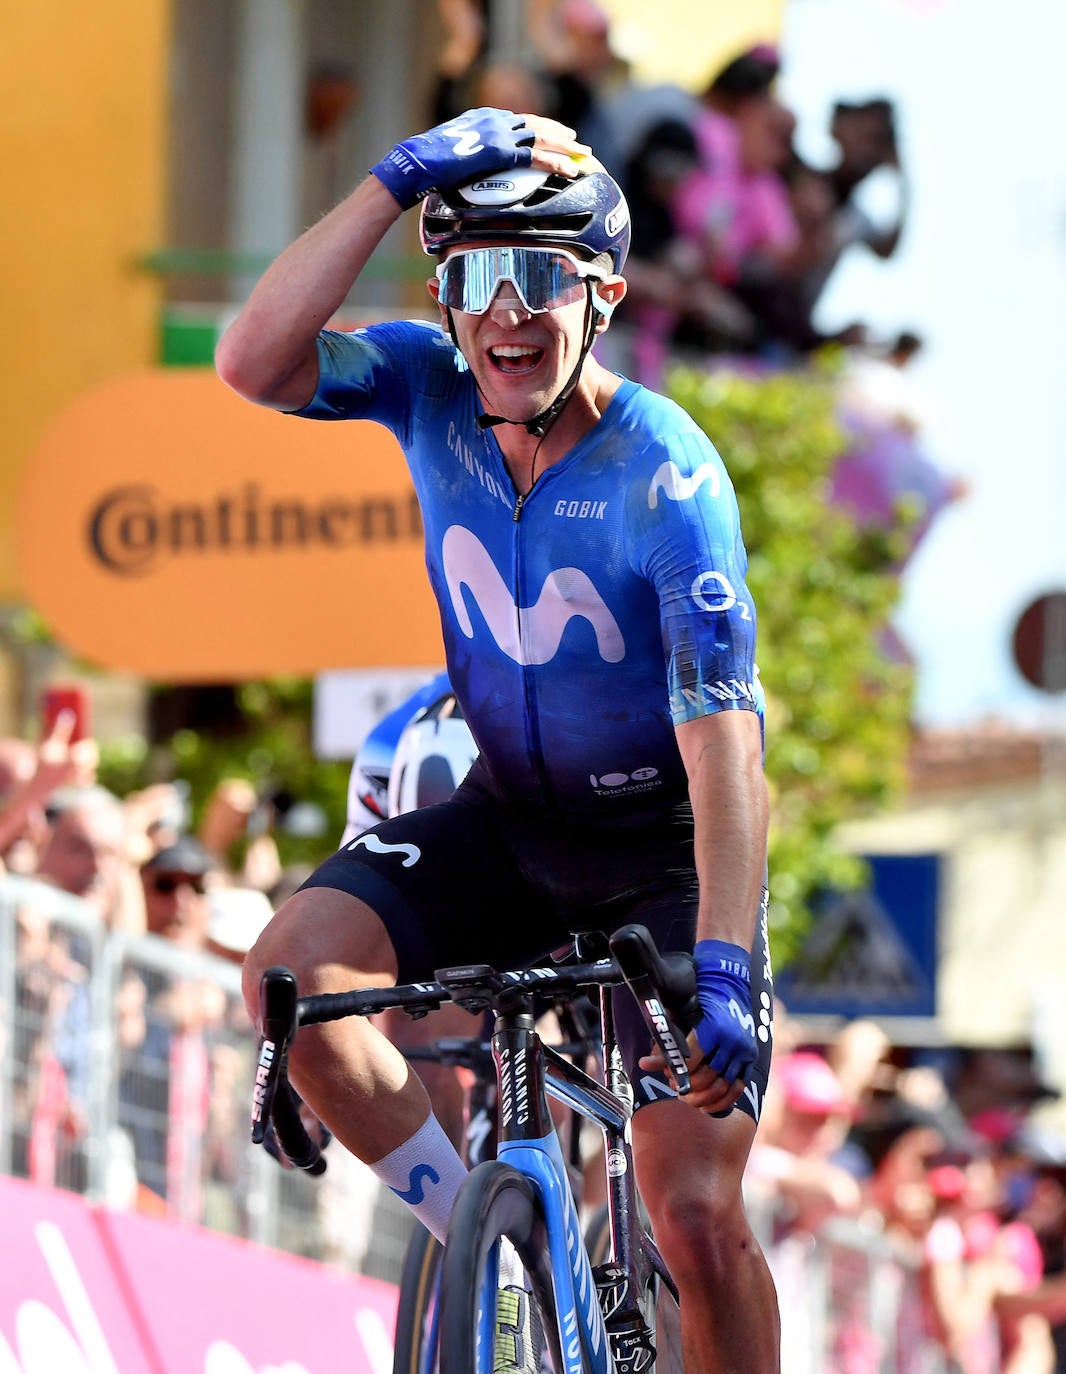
{"points": [[495, 1202], [415, 1347]]}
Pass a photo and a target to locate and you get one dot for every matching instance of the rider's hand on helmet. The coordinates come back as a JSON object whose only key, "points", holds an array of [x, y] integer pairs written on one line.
{"points": [[472, 145]]}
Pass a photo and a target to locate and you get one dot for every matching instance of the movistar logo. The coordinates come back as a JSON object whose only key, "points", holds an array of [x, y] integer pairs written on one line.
{"points": [[670, 480], [376, 846], [529, 635], [415, 1194]]}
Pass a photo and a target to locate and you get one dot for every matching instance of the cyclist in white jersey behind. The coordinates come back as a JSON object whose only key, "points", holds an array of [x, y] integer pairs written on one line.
{"points": [[584, 546]]}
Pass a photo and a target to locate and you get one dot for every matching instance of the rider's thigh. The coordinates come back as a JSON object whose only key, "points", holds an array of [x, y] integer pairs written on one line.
{"points": [[690, 1164], [331, 941]]}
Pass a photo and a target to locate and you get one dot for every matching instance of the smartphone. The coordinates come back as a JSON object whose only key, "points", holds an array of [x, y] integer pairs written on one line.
{"points": [[67, 696]]}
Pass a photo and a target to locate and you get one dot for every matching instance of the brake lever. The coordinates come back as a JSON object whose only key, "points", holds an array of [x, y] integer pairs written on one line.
{"points": [[277, 1020], [657, 986]]}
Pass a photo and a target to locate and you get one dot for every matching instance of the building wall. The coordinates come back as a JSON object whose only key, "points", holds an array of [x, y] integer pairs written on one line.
{"points": [[1002, 938], [83, 92]]}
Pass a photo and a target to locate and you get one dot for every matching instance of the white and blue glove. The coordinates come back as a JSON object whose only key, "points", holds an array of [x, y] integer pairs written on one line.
{"points": [[452, 154], [726, 1030]]}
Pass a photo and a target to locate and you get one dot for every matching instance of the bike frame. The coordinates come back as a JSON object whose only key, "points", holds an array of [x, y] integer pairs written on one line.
{"points": [[527, 1072]]}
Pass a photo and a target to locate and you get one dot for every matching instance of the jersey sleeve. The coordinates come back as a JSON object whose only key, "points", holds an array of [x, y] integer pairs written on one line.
{"points": [[366, 375], [686, 540]]}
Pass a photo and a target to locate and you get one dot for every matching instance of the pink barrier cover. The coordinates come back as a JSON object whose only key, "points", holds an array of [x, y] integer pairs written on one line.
{"points": [[89, 1291], [60, 1307]]}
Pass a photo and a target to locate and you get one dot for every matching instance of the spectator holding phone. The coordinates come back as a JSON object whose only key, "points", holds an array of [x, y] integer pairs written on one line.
{"points": [[66, 756]]}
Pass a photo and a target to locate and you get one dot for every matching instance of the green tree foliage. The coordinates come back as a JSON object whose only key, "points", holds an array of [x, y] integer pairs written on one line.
{"points": [[837, 706]]}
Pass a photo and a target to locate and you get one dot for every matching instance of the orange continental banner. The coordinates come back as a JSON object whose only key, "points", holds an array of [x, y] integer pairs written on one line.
{"points": [[167, 528]]}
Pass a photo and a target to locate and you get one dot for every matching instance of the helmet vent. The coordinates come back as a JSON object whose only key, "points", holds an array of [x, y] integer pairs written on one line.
{"points": [[548, 190]]}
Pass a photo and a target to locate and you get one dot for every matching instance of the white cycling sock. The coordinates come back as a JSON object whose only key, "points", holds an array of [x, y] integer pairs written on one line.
{"points": [[425, 1172]]}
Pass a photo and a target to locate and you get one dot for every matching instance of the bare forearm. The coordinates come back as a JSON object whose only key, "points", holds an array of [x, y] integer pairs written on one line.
{"points": [[729, 802], [268, 354]]}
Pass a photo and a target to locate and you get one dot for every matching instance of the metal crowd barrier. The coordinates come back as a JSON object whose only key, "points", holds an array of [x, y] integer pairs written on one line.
{"points": [[125, 1074]]}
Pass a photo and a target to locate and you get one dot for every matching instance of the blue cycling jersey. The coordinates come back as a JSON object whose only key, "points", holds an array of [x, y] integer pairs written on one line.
{"points": [[581, 624]]}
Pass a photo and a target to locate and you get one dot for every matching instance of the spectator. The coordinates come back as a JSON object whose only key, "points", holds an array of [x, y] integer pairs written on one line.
{"points": [[581, 69], [171, 1021], [792, 1160], [669, 290], [29, 776], [237, 831], [865, 135], [466, 78], [84, 853], [877, 388], [1034, 1165], [175, 883], [735, 207], [830, 221]]}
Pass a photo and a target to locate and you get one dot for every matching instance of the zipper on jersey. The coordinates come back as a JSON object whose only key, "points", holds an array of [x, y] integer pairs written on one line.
{"points": [[532, 713]]}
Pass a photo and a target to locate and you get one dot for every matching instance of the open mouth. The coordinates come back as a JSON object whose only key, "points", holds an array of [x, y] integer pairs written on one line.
{"points": [[515, 359]]}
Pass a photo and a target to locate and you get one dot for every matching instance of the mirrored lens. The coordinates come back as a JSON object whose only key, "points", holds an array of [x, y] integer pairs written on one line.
{"points": [[543, 279]]}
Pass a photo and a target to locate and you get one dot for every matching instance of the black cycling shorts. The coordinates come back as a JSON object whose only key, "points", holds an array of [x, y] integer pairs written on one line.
{"points": [[480, 880]]}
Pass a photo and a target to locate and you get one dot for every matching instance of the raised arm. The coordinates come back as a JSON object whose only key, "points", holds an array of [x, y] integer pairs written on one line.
{"points": [[268, 354]]}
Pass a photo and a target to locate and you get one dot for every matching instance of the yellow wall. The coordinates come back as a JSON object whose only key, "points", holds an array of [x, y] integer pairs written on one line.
{"points": [[82, 105], [686, 41]]}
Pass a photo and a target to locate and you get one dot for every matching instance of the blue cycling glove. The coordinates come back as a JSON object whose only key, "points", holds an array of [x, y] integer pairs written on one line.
{"points": [[726, 1031], [452, 154]]}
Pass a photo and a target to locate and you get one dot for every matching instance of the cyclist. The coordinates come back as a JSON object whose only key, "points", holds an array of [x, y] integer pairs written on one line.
{"points": [[584, 546], [416, 754]]}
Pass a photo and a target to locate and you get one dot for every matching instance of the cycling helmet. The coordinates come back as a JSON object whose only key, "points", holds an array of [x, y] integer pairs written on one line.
{"points": [[433, 755], [588, 212]]}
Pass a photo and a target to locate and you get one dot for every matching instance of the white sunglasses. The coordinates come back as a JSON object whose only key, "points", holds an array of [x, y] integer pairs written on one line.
{"points": [[543, 278]]}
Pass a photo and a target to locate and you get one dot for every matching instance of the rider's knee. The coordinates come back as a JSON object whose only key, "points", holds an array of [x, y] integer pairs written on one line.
{"points": [[699, 1225], [329, 940]]}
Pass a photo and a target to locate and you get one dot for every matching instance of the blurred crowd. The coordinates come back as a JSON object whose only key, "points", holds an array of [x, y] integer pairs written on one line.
{"points": [[129, 867], [736, 234], [951, 1157]]}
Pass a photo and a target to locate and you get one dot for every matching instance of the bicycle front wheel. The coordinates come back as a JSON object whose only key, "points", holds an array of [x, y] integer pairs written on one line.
{"points": [[417, 1311], [497, 1317]]}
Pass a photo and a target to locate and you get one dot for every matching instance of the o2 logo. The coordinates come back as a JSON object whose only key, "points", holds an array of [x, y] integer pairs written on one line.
{"points": [[713, 591]]}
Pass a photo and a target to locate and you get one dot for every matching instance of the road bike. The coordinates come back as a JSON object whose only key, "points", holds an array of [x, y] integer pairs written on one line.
{"points": [[418, 1306], [518, 1291]]}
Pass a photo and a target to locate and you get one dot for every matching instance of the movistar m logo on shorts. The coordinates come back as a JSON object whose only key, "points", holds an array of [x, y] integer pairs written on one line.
{"points": [[376, 846], [529, 635], [670, 480]]}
